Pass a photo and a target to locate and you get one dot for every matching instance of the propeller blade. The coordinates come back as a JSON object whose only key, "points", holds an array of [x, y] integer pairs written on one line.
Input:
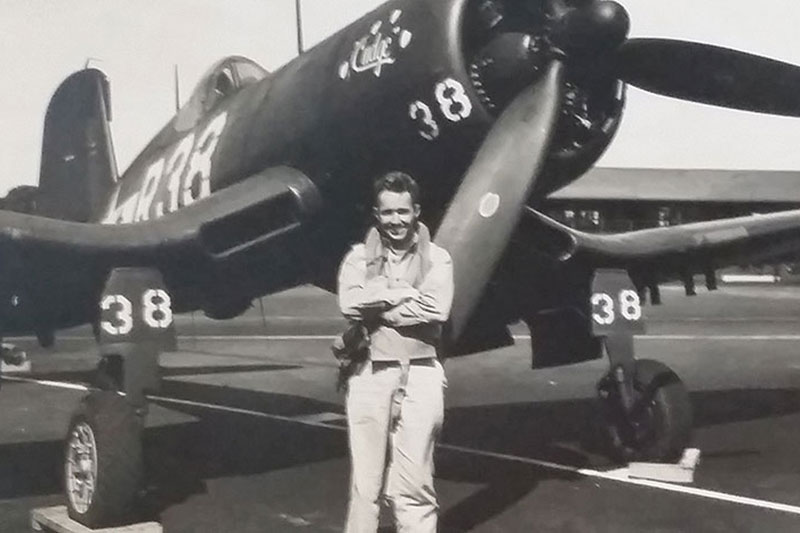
{"points": [[711, 75], [487, 206]]}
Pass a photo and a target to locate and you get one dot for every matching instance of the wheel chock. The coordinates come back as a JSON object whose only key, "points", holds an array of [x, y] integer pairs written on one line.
{"points": [[13, 360], [680, 472], [56, 520], [22, 368]]}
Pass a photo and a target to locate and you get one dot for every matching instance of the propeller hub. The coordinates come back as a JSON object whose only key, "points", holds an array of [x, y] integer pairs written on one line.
{"points": [[592, 29]]}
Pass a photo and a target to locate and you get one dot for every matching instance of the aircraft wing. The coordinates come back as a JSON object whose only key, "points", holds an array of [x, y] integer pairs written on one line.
{"points": [[661, 253], [54, 266], [211, 225]]}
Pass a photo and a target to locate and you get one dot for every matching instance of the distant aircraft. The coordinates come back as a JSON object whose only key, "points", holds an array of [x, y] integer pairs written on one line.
{"points": [[261, 181]]}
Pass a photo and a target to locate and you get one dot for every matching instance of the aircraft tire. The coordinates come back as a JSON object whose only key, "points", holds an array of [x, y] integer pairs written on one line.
{"points": [[103, 450], [660, 429]]}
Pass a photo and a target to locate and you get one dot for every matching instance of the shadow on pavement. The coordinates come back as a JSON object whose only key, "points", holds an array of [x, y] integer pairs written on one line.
{"points": [[181, 458], [720, 407], [89, 375], [30, 469]]}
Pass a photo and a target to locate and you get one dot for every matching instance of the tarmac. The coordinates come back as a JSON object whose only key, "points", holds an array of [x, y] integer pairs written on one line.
{"points": [[247, 433]]}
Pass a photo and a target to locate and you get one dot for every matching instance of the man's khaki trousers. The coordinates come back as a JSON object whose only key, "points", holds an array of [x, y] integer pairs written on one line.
{"points": [[393, 430]]}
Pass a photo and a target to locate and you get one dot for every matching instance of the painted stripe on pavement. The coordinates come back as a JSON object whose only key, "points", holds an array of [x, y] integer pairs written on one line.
{"points": [[667, 337], [664, 337], [613, 475], [618, 475], [321, 417]]}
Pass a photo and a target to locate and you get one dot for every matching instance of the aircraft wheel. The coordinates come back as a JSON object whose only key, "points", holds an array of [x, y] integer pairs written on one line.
{"points": [[103, 468], [660, 426]]}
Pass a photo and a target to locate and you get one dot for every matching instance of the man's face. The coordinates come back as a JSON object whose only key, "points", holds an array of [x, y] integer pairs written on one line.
{"points": [[397, 216]]}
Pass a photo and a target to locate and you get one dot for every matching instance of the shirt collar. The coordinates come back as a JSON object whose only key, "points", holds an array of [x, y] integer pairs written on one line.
{"points": [[410, 250]]}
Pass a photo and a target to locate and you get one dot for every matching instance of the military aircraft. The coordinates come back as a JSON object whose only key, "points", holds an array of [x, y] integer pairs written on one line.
{"points": [[261, 181]]}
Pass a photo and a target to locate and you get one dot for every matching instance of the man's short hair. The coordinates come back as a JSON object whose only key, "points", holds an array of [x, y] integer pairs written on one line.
{"points": [[396, 181]]}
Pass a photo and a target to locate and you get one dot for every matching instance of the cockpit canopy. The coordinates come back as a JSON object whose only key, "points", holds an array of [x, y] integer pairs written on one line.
{"points": [[225, 78]]}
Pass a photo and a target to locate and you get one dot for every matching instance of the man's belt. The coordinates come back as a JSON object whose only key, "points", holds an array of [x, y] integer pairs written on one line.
{"points": [[382, 365]]}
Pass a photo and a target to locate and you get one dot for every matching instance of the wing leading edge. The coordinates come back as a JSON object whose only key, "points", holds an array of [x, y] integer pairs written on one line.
{"points": [[675, 249], [287, 195], [262, 216]]}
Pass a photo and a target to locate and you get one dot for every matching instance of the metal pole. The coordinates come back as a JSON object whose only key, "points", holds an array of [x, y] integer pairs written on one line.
{"points": [[177, 90], [299, 27]]}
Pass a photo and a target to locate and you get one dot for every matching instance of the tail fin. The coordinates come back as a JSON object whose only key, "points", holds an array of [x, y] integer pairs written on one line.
{"points": [[78, 168]]}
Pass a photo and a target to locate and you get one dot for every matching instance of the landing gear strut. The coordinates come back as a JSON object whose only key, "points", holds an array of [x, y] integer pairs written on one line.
{"points": [[645, 408], [103, 464], [658, 423]]}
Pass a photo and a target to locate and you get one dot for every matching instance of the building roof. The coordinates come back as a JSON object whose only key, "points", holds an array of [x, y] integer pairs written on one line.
{"points": [[676, 185]]}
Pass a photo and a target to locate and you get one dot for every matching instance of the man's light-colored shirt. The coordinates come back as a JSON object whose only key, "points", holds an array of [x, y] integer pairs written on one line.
{"points": [[410, 319]]}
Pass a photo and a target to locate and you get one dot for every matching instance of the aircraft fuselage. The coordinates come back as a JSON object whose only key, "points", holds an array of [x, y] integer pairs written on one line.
{"points": [[410, 86]]}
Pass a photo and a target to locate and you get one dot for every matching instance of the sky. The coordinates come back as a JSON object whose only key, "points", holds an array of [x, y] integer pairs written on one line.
{"points": [[137, 43]]}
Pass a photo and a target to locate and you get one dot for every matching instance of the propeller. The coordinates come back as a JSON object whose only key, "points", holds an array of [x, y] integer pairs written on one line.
{"points": [[680, 69], [711, 75], [486, 208]]}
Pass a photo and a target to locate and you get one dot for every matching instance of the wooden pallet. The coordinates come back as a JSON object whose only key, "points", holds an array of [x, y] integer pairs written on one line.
{"points": [[56, 520], [681, 472]]}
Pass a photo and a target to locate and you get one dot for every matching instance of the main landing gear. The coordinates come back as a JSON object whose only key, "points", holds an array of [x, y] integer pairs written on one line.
{"points": [[103, 458], [646, 413]]}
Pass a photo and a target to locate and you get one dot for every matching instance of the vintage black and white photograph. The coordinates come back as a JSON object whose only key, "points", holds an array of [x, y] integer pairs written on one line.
{"points": [[406, 266]]}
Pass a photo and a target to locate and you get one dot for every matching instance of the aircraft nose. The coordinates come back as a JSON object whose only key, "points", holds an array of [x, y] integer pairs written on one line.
{"points": [[516, 50]]}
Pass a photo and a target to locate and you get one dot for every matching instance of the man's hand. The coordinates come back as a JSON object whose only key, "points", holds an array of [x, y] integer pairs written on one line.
{"points": [[378, 283], [399, 294], [395, 297], [373, 295], [401, 291]]}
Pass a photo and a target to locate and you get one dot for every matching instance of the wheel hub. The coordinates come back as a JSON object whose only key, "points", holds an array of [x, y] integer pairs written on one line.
{"points": [[81, 467], [634, 429], [641, 423]]}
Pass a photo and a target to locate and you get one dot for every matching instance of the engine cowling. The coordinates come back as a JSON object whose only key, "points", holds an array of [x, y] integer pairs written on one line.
{"points": [[511, 42], [590, 118]]}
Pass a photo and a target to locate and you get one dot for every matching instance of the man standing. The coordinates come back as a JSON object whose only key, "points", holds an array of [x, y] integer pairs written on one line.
{"points": [[399, 285]]}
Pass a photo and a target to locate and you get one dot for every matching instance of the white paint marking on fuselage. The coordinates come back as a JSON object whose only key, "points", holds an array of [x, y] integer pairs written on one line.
{"points": [[177, 179], [617, 475]]}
